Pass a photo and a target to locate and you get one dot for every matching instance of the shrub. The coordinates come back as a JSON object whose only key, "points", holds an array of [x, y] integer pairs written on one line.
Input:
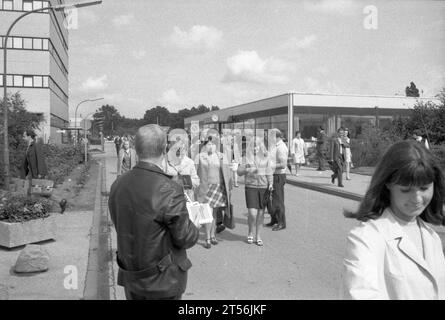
{"points": [[439, 152], [20, 208], [61, 159]]}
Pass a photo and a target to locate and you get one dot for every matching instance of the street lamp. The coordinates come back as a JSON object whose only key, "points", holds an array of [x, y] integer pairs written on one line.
{"points": [[75, 112], [5, 50]]}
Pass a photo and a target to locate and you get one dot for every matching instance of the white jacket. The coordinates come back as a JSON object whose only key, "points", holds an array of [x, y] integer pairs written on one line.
{"points": [[382, 263]]}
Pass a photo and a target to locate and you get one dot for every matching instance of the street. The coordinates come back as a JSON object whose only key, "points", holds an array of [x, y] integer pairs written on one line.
{"points": [[301, 262]]}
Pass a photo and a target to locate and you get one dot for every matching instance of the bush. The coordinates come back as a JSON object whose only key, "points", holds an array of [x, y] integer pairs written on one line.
{"points": [[61, 160], [439, 152], [20, 208]]}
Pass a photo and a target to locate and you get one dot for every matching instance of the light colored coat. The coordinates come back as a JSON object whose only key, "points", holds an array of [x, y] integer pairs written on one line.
{"points": [[120, 158], [382, 263]]}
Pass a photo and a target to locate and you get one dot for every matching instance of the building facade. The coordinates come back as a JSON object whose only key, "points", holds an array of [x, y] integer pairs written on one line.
{"points": [[306, 112], [37, 65]]}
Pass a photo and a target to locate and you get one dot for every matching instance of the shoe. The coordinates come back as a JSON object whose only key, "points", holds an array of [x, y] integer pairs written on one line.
{"points": [[220, 228], [208, 244], [341, 186], [271, 224], [348, 178], [278, 227], [213, 241], [259, 243], [249, 239], [236, 185], [332, 179]]}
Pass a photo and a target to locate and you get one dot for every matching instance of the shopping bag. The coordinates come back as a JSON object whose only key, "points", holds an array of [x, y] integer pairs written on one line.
{"points": [[199, 213]]}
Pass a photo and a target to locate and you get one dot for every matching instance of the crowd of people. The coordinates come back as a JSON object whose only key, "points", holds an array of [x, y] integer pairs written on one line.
{"points": [[388, 255]]}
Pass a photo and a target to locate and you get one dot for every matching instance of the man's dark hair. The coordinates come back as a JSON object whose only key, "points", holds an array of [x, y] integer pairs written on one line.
{"points": [[30, 133]]}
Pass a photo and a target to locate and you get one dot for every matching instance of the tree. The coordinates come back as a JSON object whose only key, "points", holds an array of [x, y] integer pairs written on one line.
{"points": [[110, 117], [158, 115]]}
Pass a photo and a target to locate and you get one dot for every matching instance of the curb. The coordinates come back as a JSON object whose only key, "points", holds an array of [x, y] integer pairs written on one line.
{"points": [[96, 280], [314, 187]]}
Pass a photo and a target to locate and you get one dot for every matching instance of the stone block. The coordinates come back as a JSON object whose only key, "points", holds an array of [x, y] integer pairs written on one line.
{"points": [[33, 258], [21, 233]]}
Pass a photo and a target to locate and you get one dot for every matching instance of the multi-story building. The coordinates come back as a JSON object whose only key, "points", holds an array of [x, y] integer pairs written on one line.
{"points": [[37, 65]]}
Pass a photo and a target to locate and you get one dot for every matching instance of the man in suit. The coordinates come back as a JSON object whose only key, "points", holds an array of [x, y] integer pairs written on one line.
{"points": [[153, 228], [337, 158], [34, 163]]}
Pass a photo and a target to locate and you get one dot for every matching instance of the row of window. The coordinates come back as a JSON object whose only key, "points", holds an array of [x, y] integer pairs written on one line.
{"points": [[24, 5], [27, 43], [25, 81]]}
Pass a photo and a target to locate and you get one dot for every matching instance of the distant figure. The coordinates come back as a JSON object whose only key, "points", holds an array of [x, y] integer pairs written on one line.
{"points": [[298, 151], [152, 224], [346, 142], [337, 158], [117, 143], [394, 253], [321, 148]]}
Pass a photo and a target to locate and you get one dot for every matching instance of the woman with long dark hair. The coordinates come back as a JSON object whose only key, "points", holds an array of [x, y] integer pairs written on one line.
{"points": [[394, 253]]}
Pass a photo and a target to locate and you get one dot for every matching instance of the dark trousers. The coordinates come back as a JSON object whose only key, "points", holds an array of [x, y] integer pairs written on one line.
{"points": [[338, 171], [278, 215], [118, 148], [132, 296], [219, 215], [321, 160]]}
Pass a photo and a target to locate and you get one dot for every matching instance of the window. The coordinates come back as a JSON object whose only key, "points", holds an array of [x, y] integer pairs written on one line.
{"points": [[18, 43], [27, 5], [27, 81], [38, 5], [45, 44], [27, 43], [38, 81], [8, 4], [37, 44], [9, 80], [9, 44], [45, 82], [18, 81]]}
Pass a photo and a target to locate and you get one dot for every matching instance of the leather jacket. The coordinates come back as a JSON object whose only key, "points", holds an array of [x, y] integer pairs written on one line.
{"points": [[153, 228]]}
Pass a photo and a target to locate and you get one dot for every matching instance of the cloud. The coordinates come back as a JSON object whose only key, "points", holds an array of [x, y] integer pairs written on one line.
{"points": [[313, 85], [198, 37], [295, 43], [95, 84], [123, 20], [87, 17], [101, 49], [138, 54], [342, 7], [170, 99], [248, 66]]}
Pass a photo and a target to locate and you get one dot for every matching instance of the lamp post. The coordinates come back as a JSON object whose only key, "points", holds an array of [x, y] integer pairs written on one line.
{"points": [[5, 91], [75, 112]]}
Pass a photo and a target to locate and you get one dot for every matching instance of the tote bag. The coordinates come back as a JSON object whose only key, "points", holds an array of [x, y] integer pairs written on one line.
{"points": [[199, 213]]}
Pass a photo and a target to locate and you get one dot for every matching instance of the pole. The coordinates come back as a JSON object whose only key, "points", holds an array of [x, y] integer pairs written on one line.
{"points": [[75, 112]]}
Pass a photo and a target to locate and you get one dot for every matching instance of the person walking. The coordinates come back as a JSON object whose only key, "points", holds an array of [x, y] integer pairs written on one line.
{"points": [[337, 158], [257, 168], [298, 151], [346, 142], [279, 163], [321, 148], [394, 253], [127, 158], [33, 164], [117, 144], [149, 213], [215, 184]]}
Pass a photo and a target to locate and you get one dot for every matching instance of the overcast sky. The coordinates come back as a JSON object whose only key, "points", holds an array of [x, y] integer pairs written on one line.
{"points": [[141, 53]]}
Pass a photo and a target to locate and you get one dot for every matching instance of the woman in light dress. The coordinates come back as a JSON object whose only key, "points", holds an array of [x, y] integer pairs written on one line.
{"points": [[298, 151], [346, 141]]}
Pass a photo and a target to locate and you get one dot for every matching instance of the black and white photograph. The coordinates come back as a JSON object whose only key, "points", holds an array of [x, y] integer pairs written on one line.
{"points": [[224, 154]]}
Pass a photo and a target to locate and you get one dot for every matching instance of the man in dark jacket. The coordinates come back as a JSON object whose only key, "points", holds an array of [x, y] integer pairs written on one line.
{"points": [[153, 228], [337, 158], [34, 163], [321, 148]]}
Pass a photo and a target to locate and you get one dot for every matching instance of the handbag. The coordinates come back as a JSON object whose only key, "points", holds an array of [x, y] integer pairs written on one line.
{"points": [[186, 181], [228, 219], [267, 198], [199, 213]]}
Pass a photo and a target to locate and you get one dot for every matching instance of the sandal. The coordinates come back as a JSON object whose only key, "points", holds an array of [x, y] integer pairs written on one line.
{"points": [[259, 243], [249, 239], [213, 241], [208, 244]]}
